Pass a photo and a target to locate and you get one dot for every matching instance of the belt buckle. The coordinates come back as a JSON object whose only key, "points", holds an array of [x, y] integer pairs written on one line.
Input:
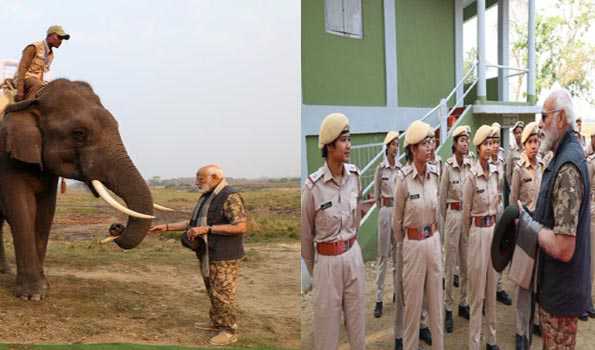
{"points": [[427, 231], [489, 220]]}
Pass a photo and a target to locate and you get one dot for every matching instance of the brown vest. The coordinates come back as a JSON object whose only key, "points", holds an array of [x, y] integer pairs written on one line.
{"points": [[41, 62]]}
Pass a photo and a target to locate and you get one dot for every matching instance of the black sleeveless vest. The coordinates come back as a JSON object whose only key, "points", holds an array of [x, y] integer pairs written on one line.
{"points": [[223, 247], [564, 289]]}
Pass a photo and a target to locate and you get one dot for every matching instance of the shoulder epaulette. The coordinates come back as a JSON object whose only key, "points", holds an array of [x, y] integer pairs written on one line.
{"points": [[407, 169], [591, 157], [352, 169], [314, 177], [451, 161], [433, 169]]}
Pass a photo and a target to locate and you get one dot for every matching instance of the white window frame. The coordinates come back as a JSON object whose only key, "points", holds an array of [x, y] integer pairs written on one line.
{"points": [[344, 18]]}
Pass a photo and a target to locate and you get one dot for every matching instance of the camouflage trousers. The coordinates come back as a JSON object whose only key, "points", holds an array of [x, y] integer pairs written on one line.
{"points": [[223, 280], [558, 332]]}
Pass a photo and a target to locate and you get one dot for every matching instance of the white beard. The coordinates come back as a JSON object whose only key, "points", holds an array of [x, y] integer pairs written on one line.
{"points": [[549, 140]]}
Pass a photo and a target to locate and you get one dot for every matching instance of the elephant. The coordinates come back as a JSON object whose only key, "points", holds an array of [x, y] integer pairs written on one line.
{"points": [[65, 131]]}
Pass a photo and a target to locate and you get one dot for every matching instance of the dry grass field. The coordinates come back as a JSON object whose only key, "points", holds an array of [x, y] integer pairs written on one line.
{"points": [[153, 294]]}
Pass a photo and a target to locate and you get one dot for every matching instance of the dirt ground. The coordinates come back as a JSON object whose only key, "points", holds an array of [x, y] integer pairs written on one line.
{"points": [[379, 331], [152, 294]]}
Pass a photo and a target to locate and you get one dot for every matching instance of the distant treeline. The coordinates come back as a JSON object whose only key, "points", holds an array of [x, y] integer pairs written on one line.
{"points": [[187, 183]]}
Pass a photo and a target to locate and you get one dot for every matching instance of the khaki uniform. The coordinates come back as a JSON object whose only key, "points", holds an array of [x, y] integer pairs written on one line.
{"points": [[384, 189], [480, 200], [513, 156], [416, 209], [451, 197], [35, 62], [330, 214], [526, 180]]}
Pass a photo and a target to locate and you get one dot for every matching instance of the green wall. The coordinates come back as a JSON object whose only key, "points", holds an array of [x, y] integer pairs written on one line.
{"points": [[491, 91], [425, 51], [338, 70]]}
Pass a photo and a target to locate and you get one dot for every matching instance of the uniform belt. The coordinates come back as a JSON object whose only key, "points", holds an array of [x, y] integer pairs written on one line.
{"points": [[336, 247], [387, 201], [484, 221], [413, 233], [455, 206]]}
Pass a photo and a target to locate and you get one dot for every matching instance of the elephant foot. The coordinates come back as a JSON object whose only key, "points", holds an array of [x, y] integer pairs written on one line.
{"points": [[33, 289]]}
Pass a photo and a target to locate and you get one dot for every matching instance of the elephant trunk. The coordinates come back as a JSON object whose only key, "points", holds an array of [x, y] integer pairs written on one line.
{"points": [[128, 184]]}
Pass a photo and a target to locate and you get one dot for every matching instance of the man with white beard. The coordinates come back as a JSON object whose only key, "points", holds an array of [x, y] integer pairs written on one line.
{"points": [[560, 227]]}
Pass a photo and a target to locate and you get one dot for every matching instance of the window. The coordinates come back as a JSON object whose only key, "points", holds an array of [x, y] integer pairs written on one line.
{"points": [[344, 18]]}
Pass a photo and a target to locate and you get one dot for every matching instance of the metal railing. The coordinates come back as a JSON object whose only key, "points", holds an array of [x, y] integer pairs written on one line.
{"points": [[368, 168]]}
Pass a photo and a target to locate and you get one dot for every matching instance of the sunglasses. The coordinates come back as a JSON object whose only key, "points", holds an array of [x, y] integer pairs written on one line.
{"points": [[545, 113]]}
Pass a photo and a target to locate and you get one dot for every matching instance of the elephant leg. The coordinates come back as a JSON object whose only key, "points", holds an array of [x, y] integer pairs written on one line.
{"points": [[46, 208], [4, 268], [21, 216]]}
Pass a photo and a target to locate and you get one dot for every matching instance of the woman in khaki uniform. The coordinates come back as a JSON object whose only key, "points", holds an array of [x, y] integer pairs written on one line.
{"points": [[330, 220], [451, 208], [525, 182], [480, 205], [415, 225], [385, 179], [498, 160]]}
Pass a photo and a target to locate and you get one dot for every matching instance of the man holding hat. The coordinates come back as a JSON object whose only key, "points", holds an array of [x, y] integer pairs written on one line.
{"points": [[385, 178], [329, 223], [526, 179], [480, 206], [35, 62], [559, 228], [451, 209], [514, 153], [416, 226], [498, 160]]}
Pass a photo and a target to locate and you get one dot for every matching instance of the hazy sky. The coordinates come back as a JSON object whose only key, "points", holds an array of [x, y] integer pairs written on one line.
{"points": [[190, 82]]}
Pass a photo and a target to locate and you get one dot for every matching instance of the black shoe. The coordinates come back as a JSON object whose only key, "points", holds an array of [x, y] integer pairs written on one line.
{"points": [[464, 311], [399, 344], [425, 335], [378, 309], [448, 324], [492, 347], [537, 330], [455, 281], [584, 316], [521, 342], [503, 297]]}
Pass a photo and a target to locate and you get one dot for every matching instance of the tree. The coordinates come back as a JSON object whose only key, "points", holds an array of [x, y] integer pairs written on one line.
{"points": [[563, 53]]}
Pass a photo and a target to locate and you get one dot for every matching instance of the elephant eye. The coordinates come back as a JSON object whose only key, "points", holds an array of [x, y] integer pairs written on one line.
{"points": [[79, 135]]}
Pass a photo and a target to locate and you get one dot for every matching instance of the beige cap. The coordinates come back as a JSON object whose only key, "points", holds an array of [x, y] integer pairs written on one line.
{"points": [[56, 29], [332, 127], [461, 130], [482, 134], [519, 124], [390, 137], [495, 130], [579, 119], [417, 132], [531, 129]]}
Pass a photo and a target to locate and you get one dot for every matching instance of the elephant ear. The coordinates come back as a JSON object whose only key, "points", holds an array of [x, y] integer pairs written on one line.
{"points": [[20, 136]]}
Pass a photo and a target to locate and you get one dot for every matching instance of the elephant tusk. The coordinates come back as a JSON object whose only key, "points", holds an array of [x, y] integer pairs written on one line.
{"points": [[98, 186], [161, 207], [109, 239]]}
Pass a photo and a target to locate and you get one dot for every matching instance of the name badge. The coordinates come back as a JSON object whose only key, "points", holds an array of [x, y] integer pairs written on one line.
{"points": [[326, 205], [414, 196], [385, 178], [527, 179], [482, 190]]}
